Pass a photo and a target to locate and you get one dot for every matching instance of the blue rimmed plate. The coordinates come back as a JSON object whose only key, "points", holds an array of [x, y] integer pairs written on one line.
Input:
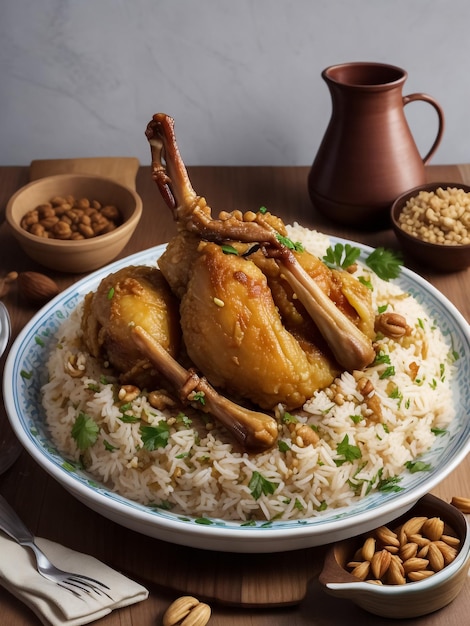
{"points": [[25, 373]]}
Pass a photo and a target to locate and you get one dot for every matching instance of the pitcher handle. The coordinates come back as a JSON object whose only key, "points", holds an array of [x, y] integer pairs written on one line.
{"points": [[440, 114]]}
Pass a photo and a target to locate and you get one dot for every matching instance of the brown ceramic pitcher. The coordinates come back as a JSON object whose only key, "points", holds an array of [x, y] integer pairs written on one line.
{"points": [[368, 155]]}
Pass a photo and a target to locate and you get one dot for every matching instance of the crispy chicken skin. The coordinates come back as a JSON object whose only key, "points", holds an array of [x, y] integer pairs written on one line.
{"points": [[133, 296], [234, 334]]}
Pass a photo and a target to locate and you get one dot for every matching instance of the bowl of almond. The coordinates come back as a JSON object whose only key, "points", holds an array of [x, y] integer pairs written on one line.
{"points": [[413, 566], [73, 222]]}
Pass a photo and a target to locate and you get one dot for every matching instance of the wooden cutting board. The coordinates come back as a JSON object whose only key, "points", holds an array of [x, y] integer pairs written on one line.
{"points": [[121, 169], [243, 580]]}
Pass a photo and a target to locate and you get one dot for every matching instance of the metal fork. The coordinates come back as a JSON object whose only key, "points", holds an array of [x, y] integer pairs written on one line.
{"points": [[78, 584]]}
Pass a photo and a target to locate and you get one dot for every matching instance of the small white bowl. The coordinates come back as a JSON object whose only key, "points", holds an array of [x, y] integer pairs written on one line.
{"points": [[411, 599]]}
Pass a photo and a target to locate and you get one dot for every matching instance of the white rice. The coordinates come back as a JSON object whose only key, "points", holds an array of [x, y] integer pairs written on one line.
{"points": [[200, 473]]}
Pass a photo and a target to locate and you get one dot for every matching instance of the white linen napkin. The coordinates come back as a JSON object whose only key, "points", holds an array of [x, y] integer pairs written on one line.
{"points": [[56, 606]]}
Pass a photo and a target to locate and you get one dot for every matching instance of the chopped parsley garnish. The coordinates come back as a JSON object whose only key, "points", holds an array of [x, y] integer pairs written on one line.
{"points": [[365, 282], [263, 210], [109, 447], [342, 256], [128, 419], [390, 484], [85, 431], [348, 451], [288, 418], [418, 466], [259, 485], [226, 249], [356, 418], [183, 419], [296, 246], [283, 446], [439, 431], [397, 395], [385, 263], [381, 357], [26, 375], [110, 293], [198, 396], [382, 308], [389, 371], [154, 437]]}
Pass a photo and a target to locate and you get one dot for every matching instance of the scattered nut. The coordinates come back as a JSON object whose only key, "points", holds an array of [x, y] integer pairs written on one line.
{"points": [[391, 325], [75, 366], [305, 435], [128, 393], [37, 288], [6, 282], [160, 399], [187, 611], [463, 504]]}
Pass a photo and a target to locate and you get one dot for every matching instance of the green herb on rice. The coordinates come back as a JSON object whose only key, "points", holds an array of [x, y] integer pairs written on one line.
{"points": [[341, 256], [381, 357], [396, 394], [439, 431], [348, 451], [154, 437], [388, 372], [288, 418], [109, 447], [283, 446], [128, 419], [385, 263], [85, 431], [356, 418], [260, 485], [183, 420]]}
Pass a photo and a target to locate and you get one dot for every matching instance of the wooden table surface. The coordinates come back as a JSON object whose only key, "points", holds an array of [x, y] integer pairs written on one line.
{"points": [[51, 512]]}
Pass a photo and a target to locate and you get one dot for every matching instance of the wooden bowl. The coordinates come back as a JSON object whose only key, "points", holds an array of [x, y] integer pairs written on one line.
{"points": [[441, 257], [411, 599], [75, 256]]}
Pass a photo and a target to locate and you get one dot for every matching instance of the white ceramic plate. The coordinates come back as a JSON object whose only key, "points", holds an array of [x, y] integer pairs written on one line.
{"points": [[25, 373]]}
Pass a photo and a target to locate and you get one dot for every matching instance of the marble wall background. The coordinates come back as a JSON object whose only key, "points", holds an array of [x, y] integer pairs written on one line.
{"points": [[241, 77]]}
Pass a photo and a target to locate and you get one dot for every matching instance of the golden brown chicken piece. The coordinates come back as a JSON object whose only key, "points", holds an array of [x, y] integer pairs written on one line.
{"points": [[234, 334], [351, 347], [133, 296]]}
